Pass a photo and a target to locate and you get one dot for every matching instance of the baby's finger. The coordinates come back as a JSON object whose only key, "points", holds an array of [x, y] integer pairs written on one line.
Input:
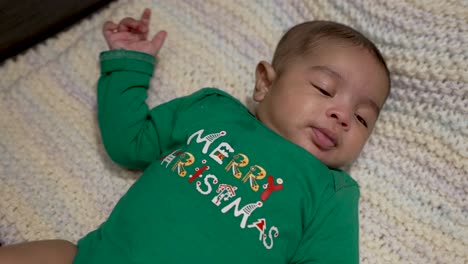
{"points": [[109, 27], [128, 23], [146, 16], [158, 40]]}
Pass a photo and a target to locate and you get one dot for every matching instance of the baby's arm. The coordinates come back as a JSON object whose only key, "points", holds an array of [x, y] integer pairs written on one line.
{"points": [[45, 251], [132, 134], [333, 237]]}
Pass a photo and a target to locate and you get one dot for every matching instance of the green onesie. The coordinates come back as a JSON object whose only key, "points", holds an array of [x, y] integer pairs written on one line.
{"points": [[218, 185]]}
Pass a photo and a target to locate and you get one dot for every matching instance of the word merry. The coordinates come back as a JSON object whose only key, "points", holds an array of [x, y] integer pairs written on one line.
{"points": [[239, 160]]}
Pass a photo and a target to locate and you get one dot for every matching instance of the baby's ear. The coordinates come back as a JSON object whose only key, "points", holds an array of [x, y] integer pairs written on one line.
{"points": [[265, 75]]}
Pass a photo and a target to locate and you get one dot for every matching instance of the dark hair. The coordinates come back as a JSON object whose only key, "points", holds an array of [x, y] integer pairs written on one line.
{"points": [[300, 39]]}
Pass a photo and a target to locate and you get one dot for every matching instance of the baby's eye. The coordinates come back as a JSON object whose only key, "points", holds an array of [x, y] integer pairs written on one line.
{"points": [[323, 91], [361, 120]]}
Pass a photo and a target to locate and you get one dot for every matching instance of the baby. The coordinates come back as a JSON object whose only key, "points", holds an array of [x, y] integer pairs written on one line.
{"points": [[223, 185]]}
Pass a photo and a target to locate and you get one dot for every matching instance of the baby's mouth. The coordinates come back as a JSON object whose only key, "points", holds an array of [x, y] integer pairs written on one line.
{"points": [[324, 138]]}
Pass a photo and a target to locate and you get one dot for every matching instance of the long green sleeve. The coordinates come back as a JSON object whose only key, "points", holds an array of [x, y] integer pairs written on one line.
{"points": [[132, 135]]}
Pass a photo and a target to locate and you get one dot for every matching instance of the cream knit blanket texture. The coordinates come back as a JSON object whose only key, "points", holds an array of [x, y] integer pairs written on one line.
{"points": [[56, 180]]}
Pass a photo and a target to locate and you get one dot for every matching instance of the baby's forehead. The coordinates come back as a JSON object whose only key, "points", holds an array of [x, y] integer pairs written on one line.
{"points": [[305, 37], [328, 46], [335, 65], [296, 50]]}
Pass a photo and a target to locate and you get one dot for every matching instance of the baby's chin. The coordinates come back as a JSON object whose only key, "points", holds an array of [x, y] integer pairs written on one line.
{"points": [[328, 161], [330, 158], [327, 157], [332, 165]]}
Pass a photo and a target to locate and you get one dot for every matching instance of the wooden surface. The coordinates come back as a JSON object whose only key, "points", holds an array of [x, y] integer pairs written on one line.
{"points": [[24, 23]]}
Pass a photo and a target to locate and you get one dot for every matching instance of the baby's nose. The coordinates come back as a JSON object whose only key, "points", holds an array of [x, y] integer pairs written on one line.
{"points": [[341, 118]]}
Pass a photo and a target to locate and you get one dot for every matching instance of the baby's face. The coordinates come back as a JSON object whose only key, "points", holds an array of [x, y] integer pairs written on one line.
{"points": [[326, 102]]}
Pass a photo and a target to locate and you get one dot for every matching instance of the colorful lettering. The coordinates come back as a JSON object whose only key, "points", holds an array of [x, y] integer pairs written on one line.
{"points": [[246, 211], [260, 224], [168, 158], [270, 235], [185, 159], [271, 188], [238, 161], [255, 173], [208, 139], [221, 152], [206, 181], [198, 173], [225, 192]]}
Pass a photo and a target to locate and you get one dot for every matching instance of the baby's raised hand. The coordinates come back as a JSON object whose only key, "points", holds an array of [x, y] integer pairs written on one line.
{"points": [[131, 34]]}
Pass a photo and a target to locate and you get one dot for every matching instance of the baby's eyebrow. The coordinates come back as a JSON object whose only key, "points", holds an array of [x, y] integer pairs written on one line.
{"points": [[326, 70]]}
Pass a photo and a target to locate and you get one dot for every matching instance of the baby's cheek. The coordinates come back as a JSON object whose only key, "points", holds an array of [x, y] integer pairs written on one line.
{"points": [[356, 146]]}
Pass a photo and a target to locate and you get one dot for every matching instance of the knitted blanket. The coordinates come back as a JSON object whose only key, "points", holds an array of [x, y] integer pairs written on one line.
{"points": [[56, 181]]}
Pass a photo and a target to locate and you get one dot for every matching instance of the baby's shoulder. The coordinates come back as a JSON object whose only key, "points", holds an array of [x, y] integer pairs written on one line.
{"points": [[342, 180], [212, 94], [211, 99]]}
